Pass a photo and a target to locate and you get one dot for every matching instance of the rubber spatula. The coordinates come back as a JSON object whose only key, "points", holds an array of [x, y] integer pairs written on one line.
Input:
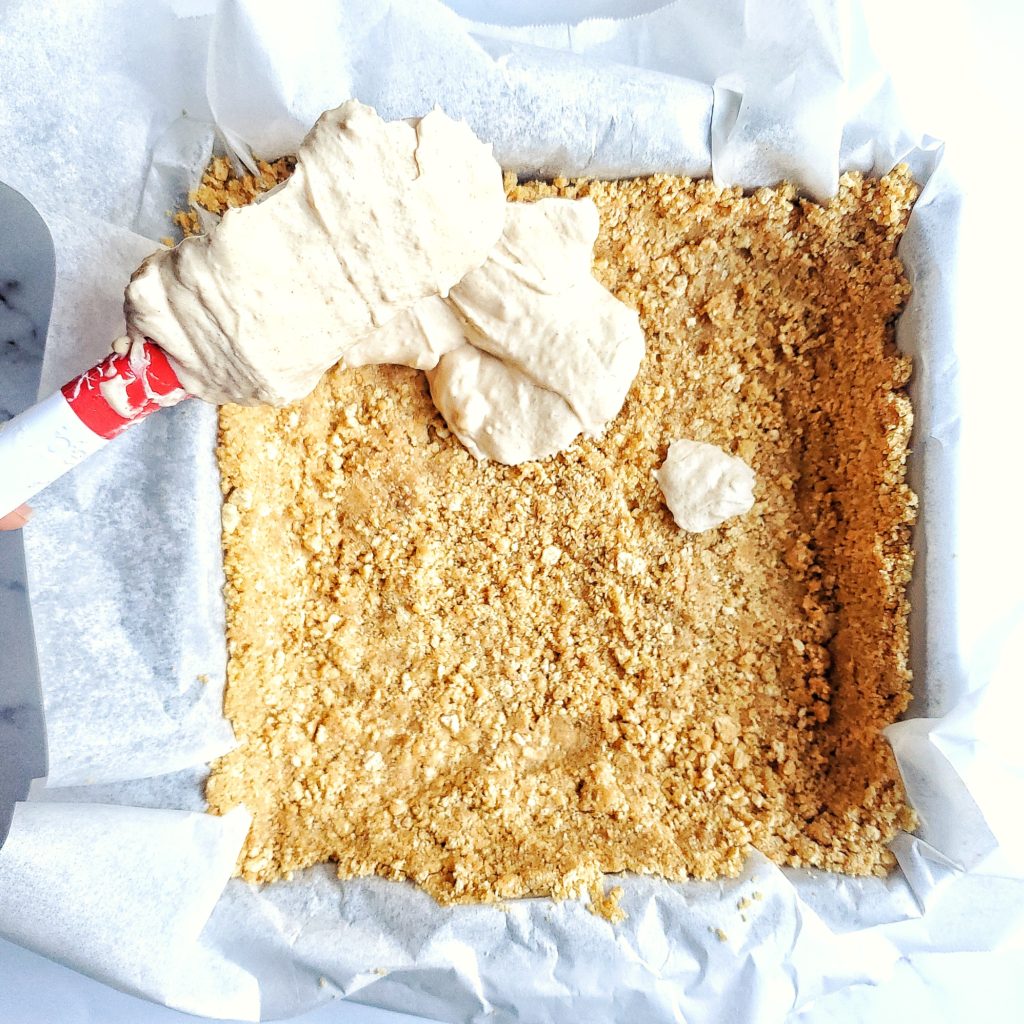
{"points": [[46, 440]]}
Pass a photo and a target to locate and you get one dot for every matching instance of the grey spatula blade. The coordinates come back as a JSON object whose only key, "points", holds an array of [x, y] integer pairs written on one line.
{"points": [[26, 297]]}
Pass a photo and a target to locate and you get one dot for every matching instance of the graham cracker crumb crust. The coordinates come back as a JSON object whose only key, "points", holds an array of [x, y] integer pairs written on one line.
{"points": [[500, 681]]}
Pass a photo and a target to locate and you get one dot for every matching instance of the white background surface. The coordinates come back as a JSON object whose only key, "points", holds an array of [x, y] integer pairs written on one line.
{"points": [[981, 45]]}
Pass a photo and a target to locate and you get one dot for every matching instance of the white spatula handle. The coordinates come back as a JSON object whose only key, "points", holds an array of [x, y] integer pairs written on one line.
{"points": [[49, 438], [39, 445]]}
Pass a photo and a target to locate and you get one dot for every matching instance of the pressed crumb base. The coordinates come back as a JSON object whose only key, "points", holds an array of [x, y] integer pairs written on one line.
{"points": [[500, 681]]}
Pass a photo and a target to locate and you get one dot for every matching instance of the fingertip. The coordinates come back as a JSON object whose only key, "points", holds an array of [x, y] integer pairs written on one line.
{"points": [[17, 519]]}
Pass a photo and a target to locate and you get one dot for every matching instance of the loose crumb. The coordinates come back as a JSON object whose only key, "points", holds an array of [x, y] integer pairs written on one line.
{"points": [[502, 681], [606, 904]]}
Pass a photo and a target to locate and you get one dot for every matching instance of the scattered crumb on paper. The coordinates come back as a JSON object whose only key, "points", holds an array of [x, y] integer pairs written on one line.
{"points": [[606, 904]]}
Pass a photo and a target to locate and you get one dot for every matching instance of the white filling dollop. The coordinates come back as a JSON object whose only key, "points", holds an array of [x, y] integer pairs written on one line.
{"points": [[703, 485], [374, 252], [376, 216], [527, 351]]}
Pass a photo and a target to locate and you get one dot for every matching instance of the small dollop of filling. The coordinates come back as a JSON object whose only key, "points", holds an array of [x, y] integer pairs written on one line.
{"points": [[703, 485]]}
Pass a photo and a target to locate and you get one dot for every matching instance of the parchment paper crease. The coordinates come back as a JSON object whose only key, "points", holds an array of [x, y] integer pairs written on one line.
{"points": [[108, 112]]}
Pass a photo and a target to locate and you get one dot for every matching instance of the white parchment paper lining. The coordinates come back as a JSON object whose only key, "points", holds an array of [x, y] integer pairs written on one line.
{"points": [[117, 873]]}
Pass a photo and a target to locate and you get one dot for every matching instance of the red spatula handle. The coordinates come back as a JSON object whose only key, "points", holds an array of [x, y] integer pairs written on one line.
{"points": [[142, 380]]}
